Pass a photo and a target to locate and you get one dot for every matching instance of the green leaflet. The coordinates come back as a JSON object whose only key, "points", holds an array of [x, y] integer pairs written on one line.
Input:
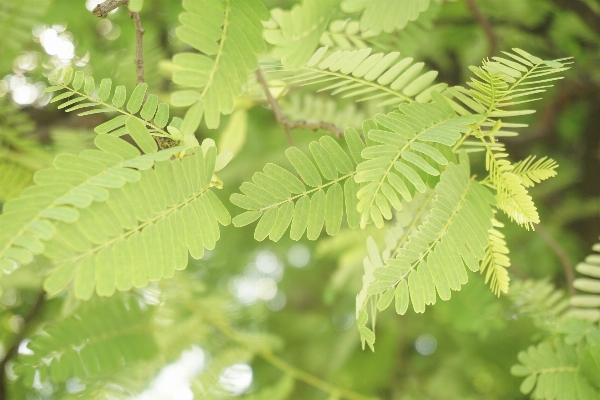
{"points": [[153, 116], [413, 142], [228, 35], [280, 199], [587, 306], [84, 344], [146, 226], [552, 371], [296, 33], [363, 76], [430, 261], [385, 15], [63, 193]]}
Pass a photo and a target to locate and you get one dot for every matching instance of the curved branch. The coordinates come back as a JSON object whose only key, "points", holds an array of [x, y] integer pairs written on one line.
{"points": [[102, 9], [558, 250]]}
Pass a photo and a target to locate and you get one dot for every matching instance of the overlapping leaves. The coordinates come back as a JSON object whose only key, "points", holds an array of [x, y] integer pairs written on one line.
{"points": [[142, 232], [279, 198], [413, 141], [228, 36]]}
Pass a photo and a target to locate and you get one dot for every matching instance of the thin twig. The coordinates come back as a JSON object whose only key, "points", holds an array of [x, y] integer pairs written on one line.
{"points": [[14, 348], [102, 9], [560, 253], [277, 362], [289, 125], [139, 48], [482, 20]]}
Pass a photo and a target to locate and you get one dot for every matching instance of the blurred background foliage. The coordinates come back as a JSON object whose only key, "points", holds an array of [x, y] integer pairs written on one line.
{"points": [[216, 325]]}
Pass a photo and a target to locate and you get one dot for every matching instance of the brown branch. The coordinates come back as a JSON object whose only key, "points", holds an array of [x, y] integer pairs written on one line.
{"points": [[102, 9], [289, 125], [13, 350], [560, 253], [485, 24], [139, 48]]}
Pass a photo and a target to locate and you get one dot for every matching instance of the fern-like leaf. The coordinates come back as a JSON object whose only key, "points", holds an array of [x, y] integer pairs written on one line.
{"points": [[496, 261], [531, 171], [81, 94], [228, 35], [539, 300], [511, 195], [454, 234], [587, 306], [296, 33], [552, 372], [364, 76], [101, 337], [506, 82], [413, 141], [386, 15], [13, 179], [63, 192], [141, 233], [345, 35], [279, 198]]}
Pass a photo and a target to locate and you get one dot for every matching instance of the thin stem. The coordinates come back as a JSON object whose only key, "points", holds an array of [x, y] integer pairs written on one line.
{"points": [[139, 48], [14, 347], [558, 250], [102, 9], [289, 125], [278, 362], [485, 24]]}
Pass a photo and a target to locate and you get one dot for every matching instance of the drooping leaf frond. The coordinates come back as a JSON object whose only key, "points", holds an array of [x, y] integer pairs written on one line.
{"points": [[413, 141], [454, 234], [13, 179], [364, 76], [279, 198], [511, 195], [17, 18], [386, 15], [552, 372], [63, 192], [101, 337], [406, 223], [296, 33], [587, 305], [496, 261], [228, 35], [141, 233], [532, 172], [81, 94]]}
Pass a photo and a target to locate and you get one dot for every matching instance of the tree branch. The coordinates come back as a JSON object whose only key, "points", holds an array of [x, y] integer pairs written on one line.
{"points": [[560, 253], [139, 48], [289, 125], [102, 9], [13, 350], [485, 24]]}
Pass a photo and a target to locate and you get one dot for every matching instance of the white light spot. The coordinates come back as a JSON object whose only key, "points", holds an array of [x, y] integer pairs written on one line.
{"points": [[23, 349], [173, 381], [426, 344], [244, 289], [266, 288], [23, 92], [298, 255], [75, 385], [236, 378], [57, 45], [91, 4], [266, 262]]}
